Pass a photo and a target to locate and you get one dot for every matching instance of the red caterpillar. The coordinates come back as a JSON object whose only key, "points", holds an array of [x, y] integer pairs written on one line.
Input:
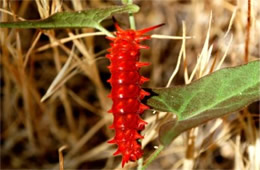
{"points": [[126, 91]]}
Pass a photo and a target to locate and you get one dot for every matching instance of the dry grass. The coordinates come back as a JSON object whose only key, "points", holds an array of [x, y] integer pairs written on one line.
{"points": [[54, 90]]}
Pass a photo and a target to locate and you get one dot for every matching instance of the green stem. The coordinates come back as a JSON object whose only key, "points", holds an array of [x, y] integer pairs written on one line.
{"points": [[131, 17], [154, 155], [102, 29], [140, 164]]}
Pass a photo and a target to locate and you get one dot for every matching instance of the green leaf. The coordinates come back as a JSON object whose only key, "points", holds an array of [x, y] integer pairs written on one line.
{"points": [[88, 18], [210, 97]]}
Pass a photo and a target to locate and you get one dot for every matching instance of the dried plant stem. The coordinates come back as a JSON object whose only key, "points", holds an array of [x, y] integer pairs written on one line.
{"points": [[61, 160], [247, 42], [189, 158], [63, 92], [31, 48], [10, 13], [84, 35], [225, 54], [87, 137], [25, 92], [94, 73], [67, 39], [159, 36], [180, 55]]}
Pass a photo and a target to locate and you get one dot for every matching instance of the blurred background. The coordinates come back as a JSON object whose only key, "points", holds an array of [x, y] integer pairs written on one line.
{"points": [[54, 89]]}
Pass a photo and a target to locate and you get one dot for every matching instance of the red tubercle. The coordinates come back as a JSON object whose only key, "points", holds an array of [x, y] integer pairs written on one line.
{"points": [[126, 91]]}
